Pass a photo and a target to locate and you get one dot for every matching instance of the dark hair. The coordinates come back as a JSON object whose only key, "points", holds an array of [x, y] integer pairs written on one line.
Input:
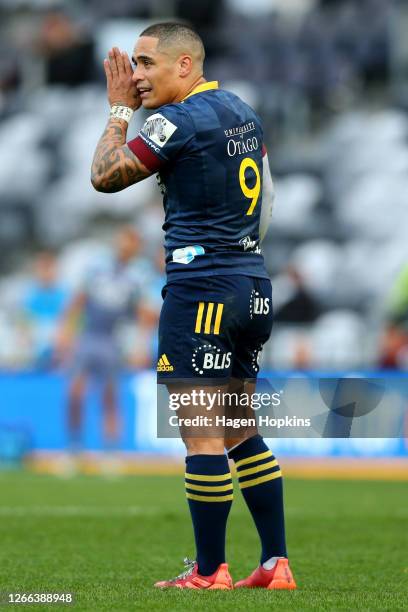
{"points": [[173, 33]]}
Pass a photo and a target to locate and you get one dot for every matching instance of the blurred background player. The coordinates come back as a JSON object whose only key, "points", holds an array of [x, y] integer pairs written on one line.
{"points": [[67, 51], [43, 305], [109, 297]]}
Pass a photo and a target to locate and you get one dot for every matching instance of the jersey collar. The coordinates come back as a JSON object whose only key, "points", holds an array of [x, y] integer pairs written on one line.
{"points": [[202, 87]]}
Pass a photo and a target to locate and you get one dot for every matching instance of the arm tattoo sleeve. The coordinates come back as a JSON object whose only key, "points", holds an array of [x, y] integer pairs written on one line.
{"points": [[114, 166]]}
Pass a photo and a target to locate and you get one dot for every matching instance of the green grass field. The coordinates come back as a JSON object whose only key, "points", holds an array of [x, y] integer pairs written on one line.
{"points": [[109, 540]]}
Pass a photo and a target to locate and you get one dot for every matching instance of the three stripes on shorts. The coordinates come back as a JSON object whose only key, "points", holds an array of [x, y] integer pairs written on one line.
{"points": [[208, 319]]}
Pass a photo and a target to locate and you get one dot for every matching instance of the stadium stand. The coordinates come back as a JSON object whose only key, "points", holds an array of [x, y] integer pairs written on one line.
{"points": [[339, 157]]}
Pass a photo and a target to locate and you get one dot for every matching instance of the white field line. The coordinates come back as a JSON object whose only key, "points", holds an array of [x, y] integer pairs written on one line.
{"points": [[91, 511], [133, 511], [103, 512]]}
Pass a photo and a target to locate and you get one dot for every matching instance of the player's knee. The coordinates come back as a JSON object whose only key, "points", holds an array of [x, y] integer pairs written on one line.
{"points": [[109, 395], [231, 442], [77, 388], [204, 446]]}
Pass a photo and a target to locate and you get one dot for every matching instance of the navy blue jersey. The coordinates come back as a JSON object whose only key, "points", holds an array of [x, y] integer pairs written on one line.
{"points": [[208, 152]]}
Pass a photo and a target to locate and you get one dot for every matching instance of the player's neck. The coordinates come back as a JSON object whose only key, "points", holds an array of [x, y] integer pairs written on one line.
{"points": [[198, 81]]}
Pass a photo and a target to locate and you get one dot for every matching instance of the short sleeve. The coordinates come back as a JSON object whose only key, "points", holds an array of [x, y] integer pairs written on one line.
{"points": [[162, 136]]}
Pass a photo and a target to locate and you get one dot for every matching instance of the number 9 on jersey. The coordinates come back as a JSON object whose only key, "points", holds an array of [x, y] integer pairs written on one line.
{"points": [[250, 192]]}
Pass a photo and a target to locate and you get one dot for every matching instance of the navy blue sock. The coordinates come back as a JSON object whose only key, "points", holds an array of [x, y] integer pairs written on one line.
{"points": [[209, 492], [260, 481]]}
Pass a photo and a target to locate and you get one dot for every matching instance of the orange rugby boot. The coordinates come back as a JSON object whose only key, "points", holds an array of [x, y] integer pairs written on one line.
{"points": [[191, 579], [279, 577]]}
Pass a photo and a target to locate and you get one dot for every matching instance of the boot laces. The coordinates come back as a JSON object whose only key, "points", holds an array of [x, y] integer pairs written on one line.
{"points": [[189, 565]]}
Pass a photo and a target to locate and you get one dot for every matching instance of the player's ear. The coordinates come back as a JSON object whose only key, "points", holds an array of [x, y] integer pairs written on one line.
{"points": [[185, 65]]}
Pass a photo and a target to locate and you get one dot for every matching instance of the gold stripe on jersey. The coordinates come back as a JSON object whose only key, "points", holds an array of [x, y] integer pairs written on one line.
{"points": [[203, 87]]}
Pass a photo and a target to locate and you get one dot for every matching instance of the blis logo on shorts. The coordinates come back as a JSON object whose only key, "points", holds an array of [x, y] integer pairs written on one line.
{"points": [[209, 357], [258, 305], [256, 355]]}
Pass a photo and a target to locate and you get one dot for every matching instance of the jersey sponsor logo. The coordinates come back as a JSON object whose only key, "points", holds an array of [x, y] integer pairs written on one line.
{"points": [[187, 254], [164, 365], [208, 319], [248, 244], [240, 130], [209, 357], [149, 143], [159, 129], [258, 305], [161, 184], [239, 147]]}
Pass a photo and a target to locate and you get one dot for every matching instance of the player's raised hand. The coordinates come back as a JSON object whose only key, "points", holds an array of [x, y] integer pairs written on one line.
{"points": [[121, 89]]}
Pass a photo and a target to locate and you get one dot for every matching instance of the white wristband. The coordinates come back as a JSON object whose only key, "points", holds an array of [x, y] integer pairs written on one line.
{"points": [[121, 112]]}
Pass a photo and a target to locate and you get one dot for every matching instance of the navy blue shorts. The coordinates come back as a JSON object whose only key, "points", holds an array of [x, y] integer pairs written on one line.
{"points": [[214, 327]]}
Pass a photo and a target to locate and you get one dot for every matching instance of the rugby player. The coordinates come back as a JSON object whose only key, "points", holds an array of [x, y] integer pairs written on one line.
{"points": [[88, 341], [207, 147]]}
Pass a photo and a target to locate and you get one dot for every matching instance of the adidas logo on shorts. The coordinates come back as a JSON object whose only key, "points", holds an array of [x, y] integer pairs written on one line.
{"points": [[163, 365]]}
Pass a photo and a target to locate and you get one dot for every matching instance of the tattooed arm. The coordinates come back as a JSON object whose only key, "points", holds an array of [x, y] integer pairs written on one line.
{"points": [[114, 166]]}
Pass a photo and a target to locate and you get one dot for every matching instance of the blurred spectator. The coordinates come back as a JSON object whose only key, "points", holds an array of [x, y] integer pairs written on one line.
{"points": [[206, 18], [89, 335], [399, 300], [394, 346], [140, 9], [67, 51], [149, 312], [293, 302], [42, 308], [10, 79], [299, 63]]}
